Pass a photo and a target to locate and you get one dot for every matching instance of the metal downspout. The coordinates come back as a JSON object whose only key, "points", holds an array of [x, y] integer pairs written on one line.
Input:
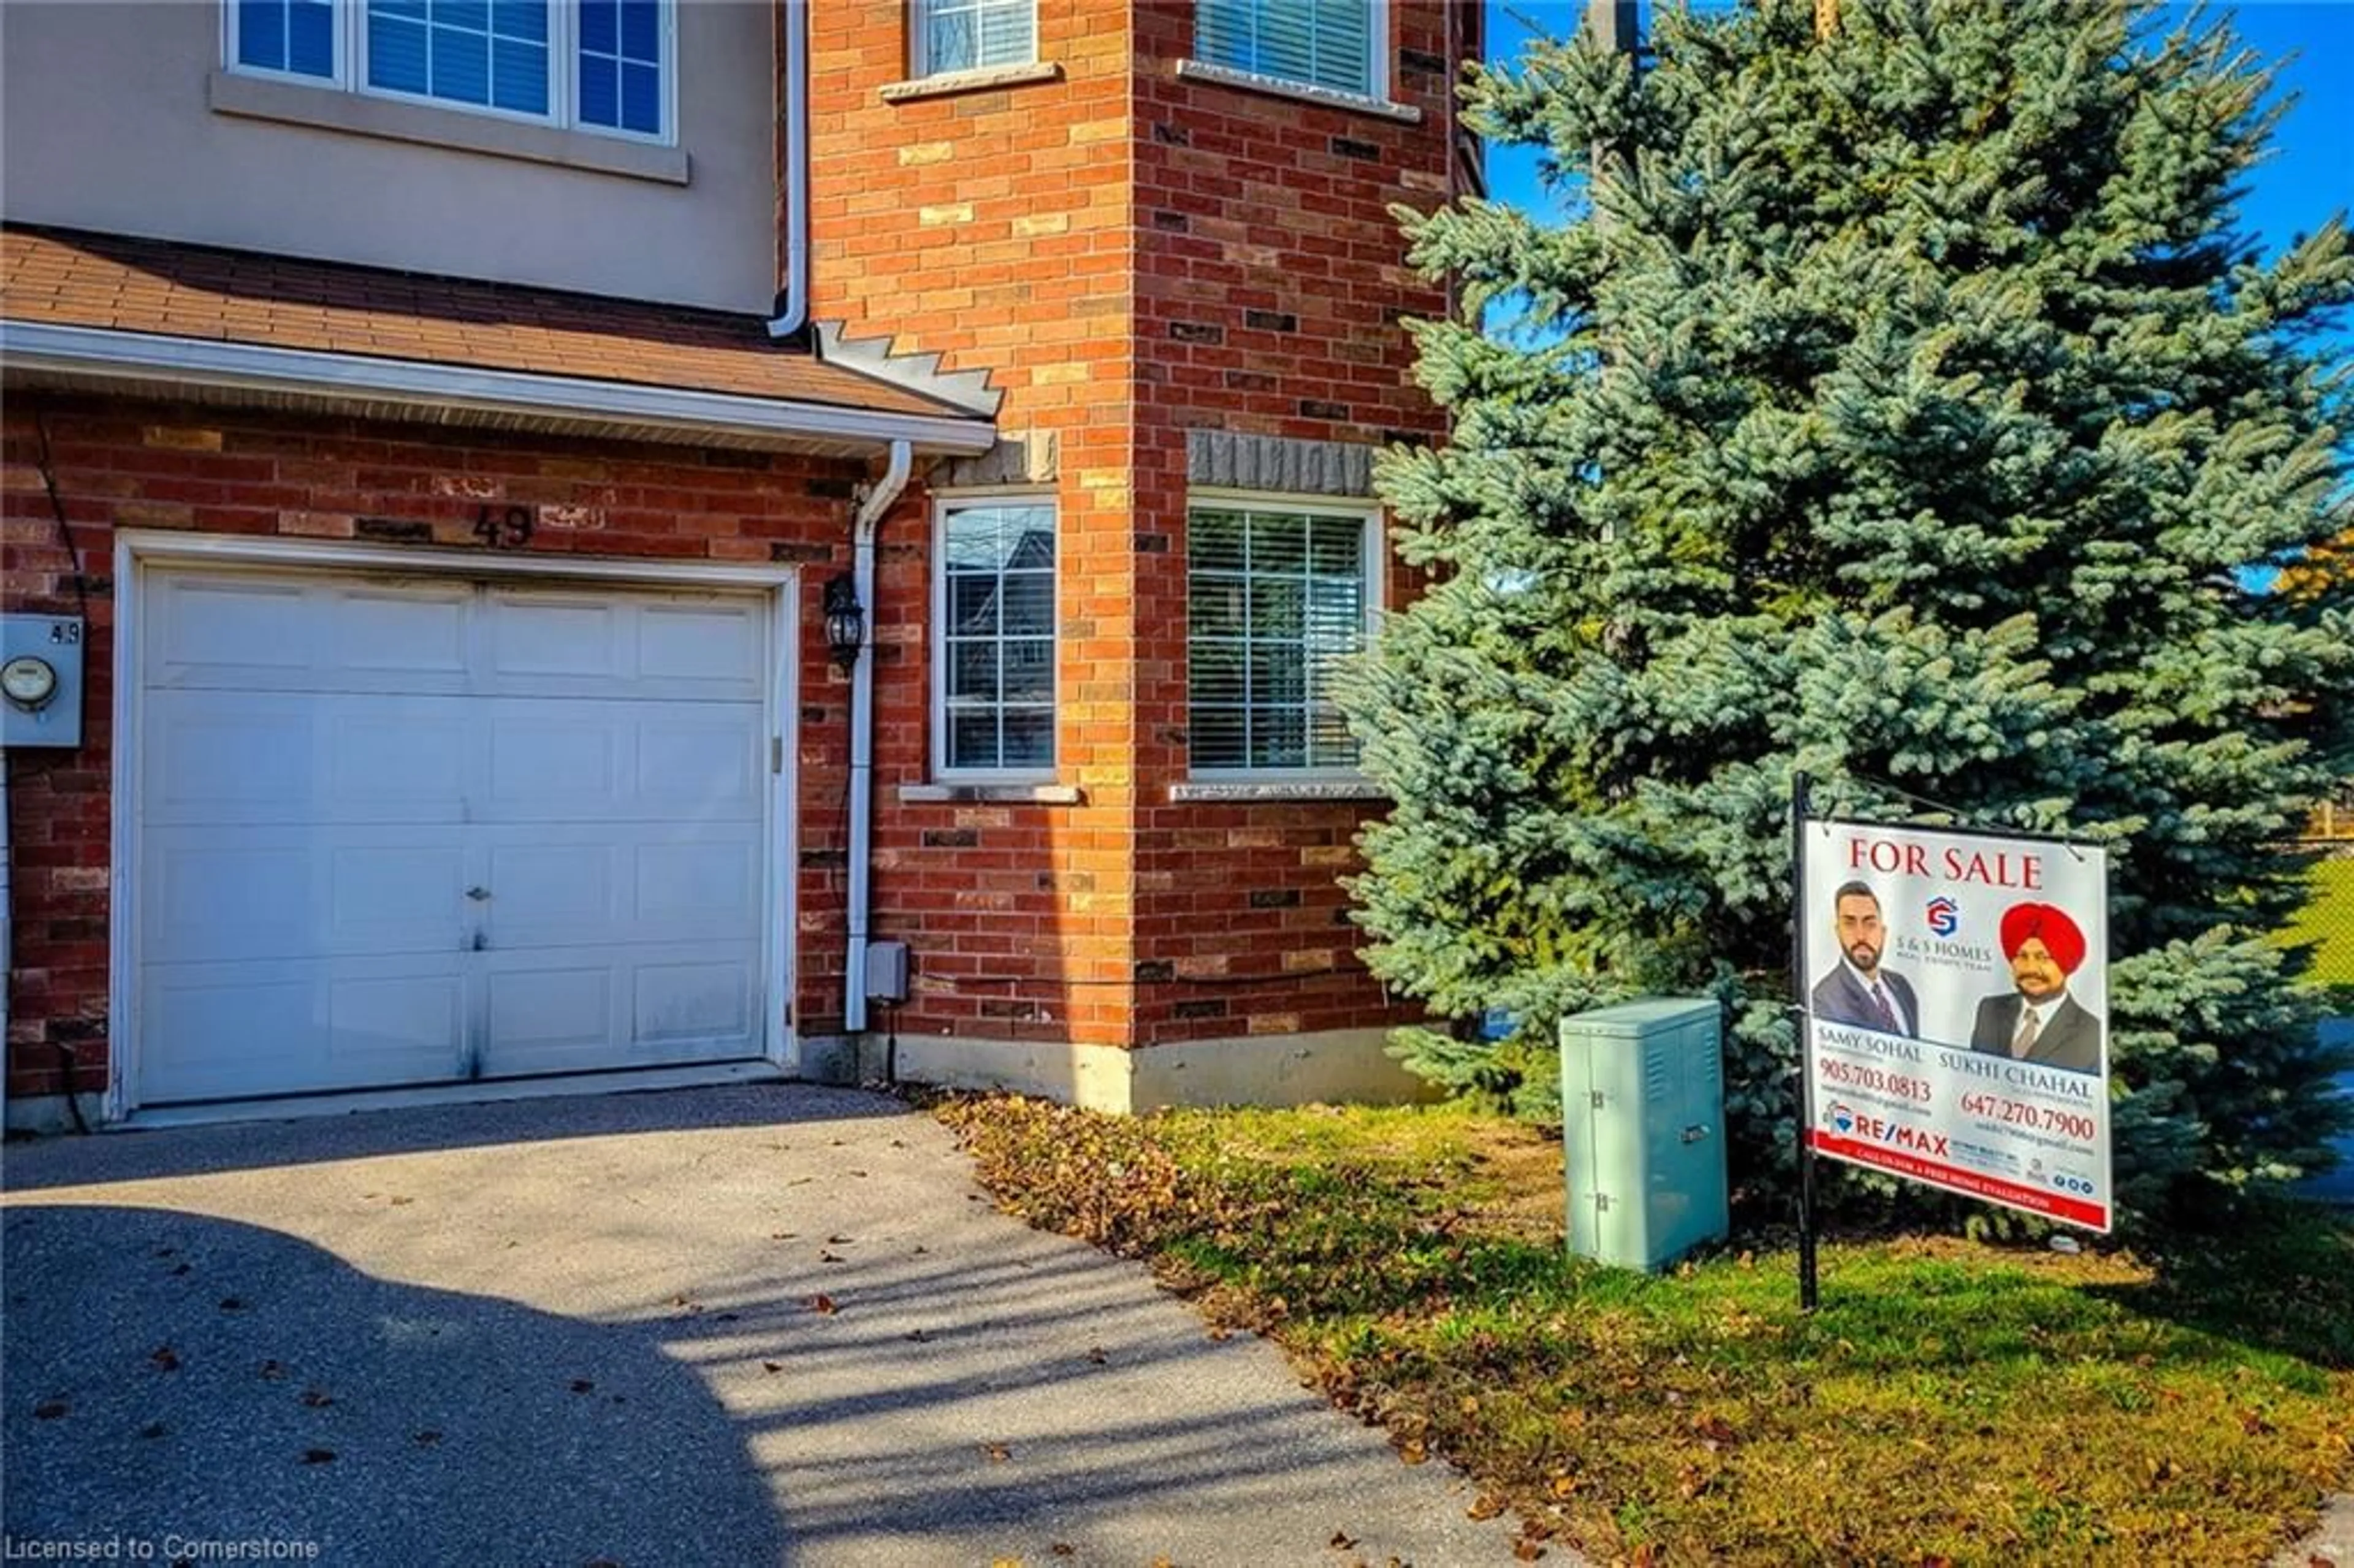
{"points": [[796, 302], [878, 501]]}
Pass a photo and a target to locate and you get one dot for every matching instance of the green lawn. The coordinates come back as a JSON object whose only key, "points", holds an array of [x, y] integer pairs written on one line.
{"points": [[1950, 1403], [2328, 919]]}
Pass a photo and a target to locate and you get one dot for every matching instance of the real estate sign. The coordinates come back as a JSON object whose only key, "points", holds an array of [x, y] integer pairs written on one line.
{"points": [[1957, 1013]]}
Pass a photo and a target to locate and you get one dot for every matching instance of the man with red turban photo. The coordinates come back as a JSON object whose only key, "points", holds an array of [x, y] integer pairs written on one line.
{"points": [[2040, 1021]]}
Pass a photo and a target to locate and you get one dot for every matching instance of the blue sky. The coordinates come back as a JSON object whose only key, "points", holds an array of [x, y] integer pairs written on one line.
{"points": [[2309, 177]]}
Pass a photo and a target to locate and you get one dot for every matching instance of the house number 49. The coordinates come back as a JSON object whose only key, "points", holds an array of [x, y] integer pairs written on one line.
{"points": [[504, 528]]}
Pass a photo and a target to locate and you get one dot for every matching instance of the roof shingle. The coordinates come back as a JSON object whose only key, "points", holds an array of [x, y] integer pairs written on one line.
{"points": [[66, 278]]}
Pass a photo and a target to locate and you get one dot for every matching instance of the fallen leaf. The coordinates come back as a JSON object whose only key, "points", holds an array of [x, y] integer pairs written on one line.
{"points": [[996, 1453], [839, 1241], [182, 1269], [1413, 1452], [1564, 1486], [318, 1456], [398, 1203], [1487, 1505], [582, 1386], [828, 1257], [165, 1358], [823, 1306], [424, 1439], [273, 1371], [1341, 1540], [782, 1235], [1527, 1550], [317, 1398], [51, 1409], [1064, 1549], [1096, 1354], [919, 1336], [1005, 1562], [772, 1366], [152, 1429], [232, 1303]]}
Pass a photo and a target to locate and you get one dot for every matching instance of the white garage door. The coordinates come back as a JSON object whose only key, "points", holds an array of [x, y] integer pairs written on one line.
{"points": [[402, 830]]}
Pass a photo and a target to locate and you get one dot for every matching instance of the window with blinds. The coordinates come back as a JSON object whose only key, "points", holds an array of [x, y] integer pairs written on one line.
{"points": [[1277, 600], [966, 34], [994, 714], [1315, 43]]}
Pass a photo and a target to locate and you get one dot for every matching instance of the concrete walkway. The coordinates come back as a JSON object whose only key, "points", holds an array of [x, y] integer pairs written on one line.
{"points": [[754, 1325]]}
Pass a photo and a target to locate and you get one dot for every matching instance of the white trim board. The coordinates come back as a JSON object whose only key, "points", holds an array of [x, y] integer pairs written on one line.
{"points": [[136, 551], [106, 354]]}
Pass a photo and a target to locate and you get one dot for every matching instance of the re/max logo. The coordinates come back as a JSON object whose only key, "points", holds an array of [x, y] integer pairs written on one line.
{"points": [[1878, 1130]]}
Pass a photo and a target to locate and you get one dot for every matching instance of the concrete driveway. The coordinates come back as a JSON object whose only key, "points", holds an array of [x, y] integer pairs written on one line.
{"points": [[763, 1324]]}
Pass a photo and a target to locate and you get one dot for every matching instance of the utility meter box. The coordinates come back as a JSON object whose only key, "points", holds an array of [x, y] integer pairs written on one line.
{"points": [[1642, 1100]]}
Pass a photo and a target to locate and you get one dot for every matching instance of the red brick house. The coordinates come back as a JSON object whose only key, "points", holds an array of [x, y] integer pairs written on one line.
{"points": [[676, 539]]}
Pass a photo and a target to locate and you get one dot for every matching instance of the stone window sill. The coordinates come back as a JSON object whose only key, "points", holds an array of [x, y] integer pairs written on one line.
{"points": [[982, 81], [391, 120], [992, 794], [1207, 791], [1251, 81]]}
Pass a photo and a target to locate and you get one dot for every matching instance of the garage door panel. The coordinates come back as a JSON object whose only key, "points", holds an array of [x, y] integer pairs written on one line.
{"points": [[702, 997], [621, 1007], [596, 884], [562, 765], [207, 629], [414, 632], [703, 888], [408, 758], [221, 893], [294, 633], [236, 895], [218, 1031], [706, 769], [718, 647], [642, 646], [544, 1013], [230, 757], [211, 758]]}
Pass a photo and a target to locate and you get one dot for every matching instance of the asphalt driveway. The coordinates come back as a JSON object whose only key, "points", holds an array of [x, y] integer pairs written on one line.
{"points": [[756, 1325]]}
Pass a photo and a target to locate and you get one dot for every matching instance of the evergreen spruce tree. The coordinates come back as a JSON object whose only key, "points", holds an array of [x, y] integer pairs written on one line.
{"points": [[1899, 404]]}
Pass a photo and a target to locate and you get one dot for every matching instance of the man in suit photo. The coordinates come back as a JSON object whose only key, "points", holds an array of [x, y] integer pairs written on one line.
{"points": [[2040, 1021], [1856, 991]]}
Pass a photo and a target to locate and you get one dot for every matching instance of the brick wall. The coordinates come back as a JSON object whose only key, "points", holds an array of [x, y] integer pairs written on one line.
{"points": [[993, 227], [1270, 288], [1130, 255], [165, 467]]}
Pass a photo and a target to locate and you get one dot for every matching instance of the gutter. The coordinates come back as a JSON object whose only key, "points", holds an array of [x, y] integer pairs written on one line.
{"points": [[793, 304], [103, 354], [877, 502]]}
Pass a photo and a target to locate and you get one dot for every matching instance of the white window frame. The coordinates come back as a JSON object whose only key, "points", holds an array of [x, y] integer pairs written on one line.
{"points": [[919, 45], [350, 50], [1375, 579], [1377, 66], [943, 505]]}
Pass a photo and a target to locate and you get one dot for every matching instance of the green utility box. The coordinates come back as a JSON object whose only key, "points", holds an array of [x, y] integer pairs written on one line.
{"points": [[1642, 1109]]}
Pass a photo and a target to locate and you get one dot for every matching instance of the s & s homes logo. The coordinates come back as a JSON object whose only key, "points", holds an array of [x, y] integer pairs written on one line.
{"points": [[1942, 916]]}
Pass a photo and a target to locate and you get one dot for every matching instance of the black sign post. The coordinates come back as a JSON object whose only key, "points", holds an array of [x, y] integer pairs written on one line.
{"points": [[1799, 807]]}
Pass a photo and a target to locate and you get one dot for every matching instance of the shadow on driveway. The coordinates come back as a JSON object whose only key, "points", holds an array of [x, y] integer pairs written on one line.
{"points": [[740, 1326], [181, 1380]]}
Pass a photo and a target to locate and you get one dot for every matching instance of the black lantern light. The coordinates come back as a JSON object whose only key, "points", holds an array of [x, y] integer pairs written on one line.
{"points": [[845, 621]]}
